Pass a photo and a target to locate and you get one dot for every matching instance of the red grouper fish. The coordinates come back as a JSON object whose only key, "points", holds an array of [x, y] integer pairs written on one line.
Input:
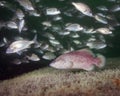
{"points": [[80, 59]]}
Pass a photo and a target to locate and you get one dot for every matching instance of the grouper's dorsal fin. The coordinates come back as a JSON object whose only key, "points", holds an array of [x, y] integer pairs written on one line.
{"points": [[86, 50]]}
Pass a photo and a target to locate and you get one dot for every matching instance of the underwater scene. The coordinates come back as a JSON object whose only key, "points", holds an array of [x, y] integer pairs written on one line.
{"points": [[59, 47]]}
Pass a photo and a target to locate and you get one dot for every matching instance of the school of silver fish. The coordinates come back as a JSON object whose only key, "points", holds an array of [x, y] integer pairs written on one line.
{"points": [[61, 34]]}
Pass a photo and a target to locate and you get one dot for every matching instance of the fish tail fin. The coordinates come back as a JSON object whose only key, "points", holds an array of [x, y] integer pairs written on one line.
{"points": [[35, 39], [102, 59], [73, 3]]}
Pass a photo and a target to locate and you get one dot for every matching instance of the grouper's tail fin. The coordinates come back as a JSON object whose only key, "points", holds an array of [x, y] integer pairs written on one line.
{"points": [[102, 60]]}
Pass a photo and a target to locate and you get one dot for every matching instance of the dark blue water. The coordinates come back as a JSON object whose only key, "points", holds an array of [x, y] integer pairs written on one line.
{"points": [[9, 70]]}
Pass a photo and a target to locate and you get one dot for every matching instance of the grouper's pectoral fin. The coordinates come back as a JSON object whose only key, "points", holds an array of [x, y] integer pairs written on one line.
{"points": [[89, 68]]}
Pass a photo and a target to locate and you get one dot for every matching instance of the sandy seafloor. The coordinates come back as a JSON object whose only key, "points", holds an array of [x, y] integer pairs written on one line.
{"points": [[51, 82]]}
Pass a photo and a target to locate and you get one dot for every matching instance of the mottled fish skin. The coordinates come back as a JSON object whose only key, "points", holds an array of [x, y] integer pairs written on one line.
{"points": [[81, 59], [83, 8]]}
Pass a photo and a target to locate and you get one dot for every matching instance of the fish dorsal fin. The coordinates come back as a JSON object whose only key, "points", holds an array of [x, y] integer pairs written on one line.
{"points": [[86, 50]]}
